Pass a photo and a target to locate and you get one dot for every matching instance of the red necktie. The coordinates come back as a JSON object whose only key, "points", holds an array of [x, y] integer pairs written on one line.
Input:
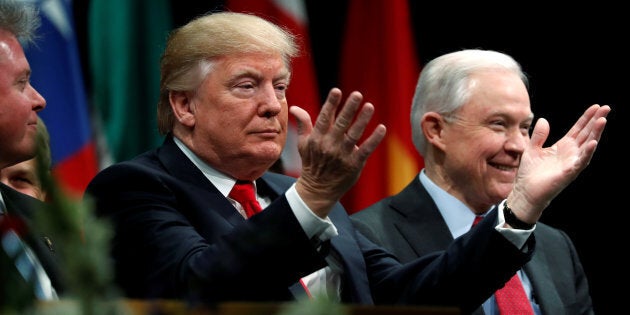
{"points": [[477, 219], [243, 192], [511, 299]]}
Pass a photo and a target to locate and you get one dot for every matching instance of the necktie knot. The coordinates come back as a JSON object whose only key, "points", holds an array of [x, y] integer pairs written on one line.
{"points": [[243, 192], [477, 220]]}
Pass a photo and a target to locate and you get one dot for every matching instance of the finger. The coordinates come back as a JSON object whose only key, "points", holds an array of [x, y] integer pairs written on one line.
{"points": [[327, 113], [581, 130], [369, 145], [588, 148], [356, 130], [596, 124], [592, 130], [598, 129], [346, 115]]}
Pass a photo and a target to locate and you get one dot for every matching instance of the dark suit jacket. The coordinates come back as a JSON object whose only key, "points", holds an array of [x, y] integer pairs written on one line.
{"points": [[21, 207], [177, 236], [410, 225]]}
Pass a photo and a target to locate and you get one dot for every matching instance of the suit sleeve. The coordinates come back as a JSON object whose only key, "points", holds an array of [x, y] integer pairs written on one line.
{"points": [[464, 275]]}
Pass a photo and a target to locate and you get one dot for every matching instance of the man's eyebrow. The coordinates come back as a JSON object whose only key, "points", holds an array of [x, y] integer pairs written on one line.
{"points": [[24, 73]]}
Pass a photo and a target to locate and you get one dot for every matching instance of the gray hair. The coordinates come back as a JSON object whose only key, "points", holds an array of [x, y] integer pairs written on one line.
{"points": [[190, 50], [443, 86], [20, 18]]}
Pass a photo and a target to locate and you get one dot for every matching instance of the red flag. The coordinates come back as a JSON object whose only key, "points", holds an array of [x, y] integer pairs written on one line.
{"points": [[303, 90], [379, 60]]}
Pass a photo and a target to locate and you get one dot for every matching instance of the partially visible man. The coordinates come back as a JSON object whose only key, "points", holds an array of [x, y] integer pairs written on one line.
{"points": [[24, 176], [183, 229], [471, 119], [19, 104]]}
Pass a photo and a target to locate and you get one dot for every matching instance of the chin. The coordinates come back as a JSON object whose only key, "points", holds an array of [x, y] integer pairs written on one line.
{"points": [[503, 193], [271, 152]]}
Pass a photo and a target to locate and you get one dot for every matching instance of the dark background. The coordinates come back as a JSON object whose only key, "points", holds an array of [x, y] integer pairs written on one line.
{"points": [[575, 56]]}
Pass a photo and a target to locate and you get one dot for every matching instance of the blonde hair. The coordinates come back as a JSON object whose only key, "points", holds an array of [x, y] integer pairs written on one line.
{"points": [[190, 50]]}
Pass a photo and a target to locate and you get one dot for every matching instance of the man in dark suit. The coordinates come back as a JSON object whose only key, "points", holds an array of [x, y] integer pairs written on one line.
{"points": [[471, 117], [180, 232], [21, 251]]}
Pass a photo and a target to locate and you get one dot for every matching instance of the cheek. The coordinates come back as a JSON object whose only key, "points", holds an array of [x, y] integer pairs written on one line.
{"points": [[15, 112], [14, 125], [485, 143], [283, 119], [218, 119]]}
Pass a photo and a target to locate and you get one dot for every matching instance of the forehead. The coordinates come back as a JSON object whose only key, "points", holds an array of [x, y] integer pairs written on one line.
{"points": [[496, 94], [8, 45], [11, 53], [256, 62], [494, 88]]}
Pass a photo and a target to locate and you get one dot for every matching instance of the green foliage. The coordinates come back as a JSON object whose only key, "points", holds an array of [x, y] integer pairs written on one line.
{"points": [[80, 241]]}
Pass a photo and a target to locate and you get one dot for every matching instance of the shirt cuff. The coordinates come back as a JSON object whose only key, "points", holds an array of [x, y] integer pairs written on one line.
{"points": [[313, 226], [517, 237]]}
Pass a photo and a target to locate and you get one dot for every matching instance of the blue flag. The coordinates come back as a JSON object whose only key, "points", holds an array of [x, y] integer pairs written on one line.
{"points": [[57, 75]]}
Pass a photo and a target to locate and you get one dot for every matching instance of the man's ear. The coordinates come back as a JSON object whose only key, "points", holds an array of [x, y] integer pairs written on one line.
{"points": [[183, 107], [433, 127]]}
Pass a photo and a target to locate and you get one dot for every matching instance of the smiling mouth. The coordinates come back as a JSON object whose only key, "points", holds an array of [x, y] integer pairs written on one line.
{"points": [[503, 167]]}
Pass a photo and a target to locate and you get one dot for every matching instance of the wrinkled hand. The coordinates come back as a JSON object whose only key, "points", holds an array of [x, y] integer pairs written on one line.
{"points": [[332, 158], [545, 172]]}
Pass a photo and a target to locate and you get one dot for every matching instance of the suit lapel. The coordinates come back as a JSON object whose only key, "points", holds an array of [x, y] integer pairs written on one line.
{"points": [[22, 207], [419, 219], [177, 164], [537, 270]]}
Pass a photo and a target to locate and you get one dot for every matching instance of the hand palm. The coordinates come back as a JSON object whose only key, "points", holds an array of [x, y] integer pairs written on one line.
{"points": [[544, 172]]}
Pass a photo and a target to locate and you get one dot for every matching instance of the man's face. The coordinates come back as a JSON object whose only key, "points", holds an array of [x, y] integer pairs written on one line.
{"points": [[23, 178], [486, 138], [241, 114], [19, 103]]}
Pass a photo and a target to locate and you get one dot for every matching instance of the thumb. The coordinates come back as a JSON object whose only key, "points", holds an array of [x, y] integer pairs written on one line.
{"points": [[303, 119], [540, 133]]}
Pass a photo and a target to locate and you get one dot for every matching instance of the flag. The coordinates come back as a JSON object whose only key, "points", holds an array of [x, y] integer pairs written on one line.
{"points": [[303, 90], [126, 40], [57, 75], [379, 59]]}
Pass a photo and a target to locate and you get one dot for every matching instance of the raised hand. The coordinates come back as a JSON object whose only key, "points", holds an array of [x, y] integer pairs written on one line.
{"points": [[332, 158], [545, 172]]}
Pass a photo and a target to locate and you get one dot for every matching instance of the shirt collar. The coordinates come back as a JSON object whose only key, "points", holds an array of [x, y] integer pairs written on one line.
{"points": [[456, 214], [221, 181]]}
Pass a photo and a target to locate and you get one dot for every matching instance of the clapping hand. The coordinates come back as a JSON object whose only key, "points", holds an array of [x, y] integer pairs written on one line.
{"points": [[545, 172], [332, 157]]}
